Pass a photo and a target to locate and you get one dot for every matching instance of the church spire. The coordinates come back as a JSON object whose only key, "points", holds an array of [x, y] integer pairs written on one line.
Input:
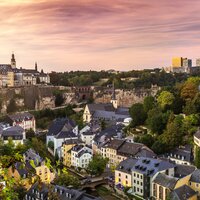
{"points": [[36, 67], [13, 61]]}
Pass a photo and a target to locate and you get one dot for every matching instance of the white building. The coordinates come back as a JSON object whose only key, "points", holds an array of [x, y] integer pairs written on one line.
{"points": [[87, 137], [81, 156], [25, 120], [16, 133]]}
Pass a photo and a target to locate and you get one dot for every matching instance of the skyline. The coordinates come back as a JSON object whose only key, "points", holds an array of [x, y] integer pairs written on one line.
{"points": [[118, 34]]}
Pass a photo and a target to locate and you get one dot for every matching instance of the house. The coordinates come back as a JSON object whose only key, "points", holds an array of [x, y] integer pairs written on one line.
{"points": [[123, 175], [6, 76], [196, 142], [16, 133], [60, 130], [66, 150], [104, 136], [183, 193], [181, 155], [43, 192], [194, 181], [143, 173], [162, 186], [118, 150], [81, 156], [31, 155], [87, 137], [105, 111], [22, 172], [45, 174], [25, 120]]}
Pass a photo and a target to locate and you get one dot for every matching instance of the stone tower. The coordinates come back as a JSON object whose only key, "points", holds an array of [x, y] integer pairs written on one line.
{"points": [[113, 98], [36, 68], [13, 61]]}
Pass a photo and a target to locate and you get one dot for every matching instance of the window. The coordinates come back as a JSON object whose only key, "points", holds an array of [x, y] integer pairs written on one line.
{"points": [[137, 175], [126, 182], [126, 176], [119, 174], [141, 190], [141, 176], [197, 185]]}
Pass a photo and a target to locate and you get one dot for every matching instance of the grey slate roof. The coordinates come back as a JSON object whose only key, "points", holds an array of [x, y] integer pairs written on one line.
{"points": [[23, 169], [165, 181], [31, 154], [181, 152], [182, 193], [59, 124], [195, 176], [183, 170], [13, 131], [102, 107], [197, 134], [20, 116], [65, 134], [63, 193], [126, 165], [150, 166]]}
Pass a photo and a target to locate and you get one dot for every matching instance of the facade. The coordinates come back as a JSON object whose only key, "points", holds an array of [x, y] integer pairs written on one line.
{"points": [[177, 62], [46, 176], [11, 76], [24, 120], [181, 155], [118, 150], [16, 133], [123, 176], [60, 130], [87, 137], [66, 150], [81, 156], [198, 62], [144, 171], [194, 181], [196, 142]]}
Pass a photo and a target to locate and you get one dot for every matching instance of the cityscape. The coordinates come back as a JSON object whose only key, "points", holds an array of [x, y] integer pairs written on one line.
{"points": [[83, 122]]}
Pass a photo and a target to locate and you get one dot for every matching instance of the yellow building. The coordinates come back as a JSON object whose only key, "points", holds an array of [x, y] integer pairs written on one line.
{"points": [[10, 79], [177, 62], [46, 176], [66, 150], [123, 173], [194, 181]]}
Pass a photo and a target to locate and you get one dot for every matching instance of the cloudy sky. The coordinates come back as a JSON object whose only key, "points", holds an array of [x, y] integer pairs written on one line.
{"points": [[67, 35]]}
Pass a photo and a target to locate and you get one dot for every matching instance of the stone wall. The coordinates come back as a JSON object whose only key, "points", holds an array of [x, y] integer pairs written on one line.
{"points": [[126, 98]]}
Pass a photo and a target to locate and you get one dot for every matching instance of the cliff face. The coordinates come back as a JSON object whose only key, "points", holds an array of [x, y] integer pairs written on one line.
{"points": [[126, 98], [33, 97]]}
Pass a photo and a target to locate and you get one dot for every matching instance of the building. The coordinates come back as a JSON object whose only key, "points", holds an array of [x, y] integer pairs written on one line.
{"points": [[181, 155], [6, 76], [43, 192], [60, 130], [162, 186], [45, 174], [183, 193], [123, 175], [198, 62], [196, 142], [81, 155], [177, 62], [16, 133], [87, 137], [194, 181], [143, 173], [24, 120], [66, 150], [31, 155], [118, 150]]}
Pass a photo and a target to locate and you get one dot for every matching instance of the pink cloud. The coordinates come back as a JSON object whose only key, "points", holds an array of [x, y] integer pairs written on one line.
{"points": [[96, 34]]}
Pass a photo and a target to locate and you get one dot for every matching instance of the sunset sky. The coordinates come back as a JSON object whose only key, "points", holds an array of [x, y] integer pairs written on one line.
{"points": [[63, 35]]}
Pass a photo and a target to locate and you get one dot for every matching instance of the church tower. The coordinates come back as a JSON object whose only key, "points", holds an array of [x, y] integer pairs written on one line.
{"points": [[36, 68], [13, 61], [113, 98]]}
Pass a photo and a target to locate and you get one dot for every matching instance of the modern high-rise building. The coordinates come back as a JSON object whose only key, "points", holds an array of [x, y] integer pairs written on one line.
{"points": [[187, 62], [177, 62]]}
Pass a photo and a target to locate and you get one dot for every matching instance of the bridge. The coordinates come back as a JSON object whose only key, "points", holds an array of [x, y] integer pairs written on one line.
{"points": [[92, 183]]}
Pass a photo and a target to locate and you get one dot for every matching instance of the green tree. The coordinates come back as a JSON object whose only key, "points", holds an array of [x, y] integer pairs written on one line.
{"points": [[51, 145], [189, 91], [197, 156], [137, 114], [12, 107], [149, 103], [165, 99], [66, 179], [59, 99], [97, 165], [30, 133]]}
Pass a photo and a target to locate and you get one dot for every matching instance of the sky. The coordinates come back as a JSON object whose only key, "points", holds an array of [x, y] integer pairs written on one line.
{"points": [[65, 35]]}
